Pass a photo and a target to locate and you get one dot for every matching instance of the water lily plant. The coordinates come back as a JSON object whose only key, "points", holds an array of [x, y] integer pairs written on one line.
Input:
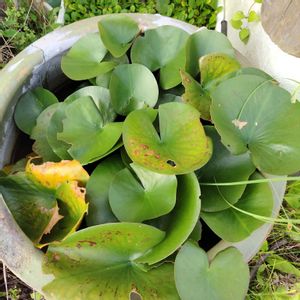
{"points": [[111, 190]]}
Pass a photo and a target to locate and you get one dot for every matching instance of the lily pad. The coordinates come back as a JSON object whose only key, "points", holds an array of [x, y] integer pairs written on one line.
{"points": [[117, 33], [196, 95], [39, 134], [84, 59], [97, 190], [52, 175], [253, 114], [233, 225], [33, 206], [223, 167], [148, 196], [29, 107], [204, 42], [225, 278], [213, 67], [100, 262], [180, 222], [84, 129], [180, 147], [72, 206], [163, 49], [132, 86]]}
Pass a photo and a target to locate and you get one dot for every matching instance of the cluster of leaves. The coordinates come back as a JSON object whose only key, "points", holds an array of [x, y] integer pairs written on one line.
{"points": [[23, 25], [275, 269], [240, 21], [138, 119], [196, 12]]}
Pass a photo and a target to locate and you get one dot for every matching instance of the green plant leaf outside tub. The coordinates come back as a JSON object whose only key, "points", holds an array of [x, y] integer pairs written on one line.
{"points": [[41, 145], [132, 86], [223, 167], [72, 206], [180, 223], [152, 196], [196, 95], [233, 225], [29, 107], [181, 145], [163, 49], [99, 262], [85, 130], [33, 206], [225, 278], [117, 33], [204, 42], [213, 67], [97, 190], [84, 59], [253, 113]]}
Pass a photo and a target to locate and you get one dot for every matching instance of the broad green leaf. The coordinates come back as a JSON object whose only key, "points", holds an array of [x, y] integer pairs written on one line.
{"points": [[196, 234], [132, 86], [148, 196], [238, 15], [251, 71], [244, 35], [223, 167], [225, 278], [253, 16], [253, 113], [84, 128], [101, 98], [180, 222], [179, 148], [166, 98], [103, 80], [33, 206], [233, 225], [163, 49], [99, 261], [117, 33], [29, 107], [39, 134], [72, 206], [204, 42], [84, 59], [236, 24], [213, 67], [279, 263], [52, 175], [97, 190], [292, 195], [195, 95]]}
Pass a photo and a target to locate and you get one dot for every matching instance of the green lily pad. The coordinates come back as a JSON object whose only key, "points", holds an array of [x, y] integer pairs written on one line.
{"points": [[87, 133], [223, 167], [163, 49], [233, 225], [132, 86], [180, 147], [100, 262], [29, 107], [149, 197], [225, 278], [41, 145], [33, 206], [204, 42], [253, 114], [180, 223], [213, 67], [196, 95], [72, 206], [84, 59], [97, 190], [117, 33]]}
